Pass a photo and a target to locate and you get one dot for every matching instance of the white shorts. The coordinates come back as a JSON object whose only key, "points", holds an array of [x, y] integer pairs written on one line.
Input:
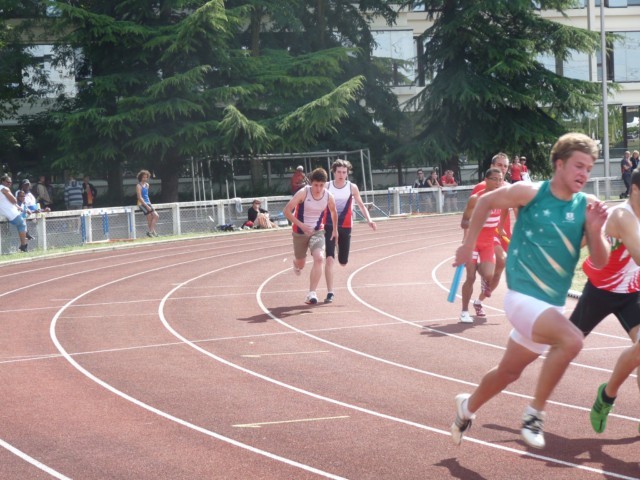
{"points": [[522, 312]]}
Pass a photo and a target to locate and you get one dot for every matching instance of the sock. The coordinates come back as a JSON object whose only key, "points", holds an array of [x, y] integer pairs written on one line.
{"points": [[465, 410], [532, 411], [465, 311], [606, 398], [477, 302]]}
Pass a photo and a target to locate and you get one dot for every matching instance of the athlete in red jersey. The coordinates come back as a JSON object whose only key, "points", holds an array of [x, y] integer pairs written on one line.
{"points": [[615, 289], [500, 161], [484, 258]]}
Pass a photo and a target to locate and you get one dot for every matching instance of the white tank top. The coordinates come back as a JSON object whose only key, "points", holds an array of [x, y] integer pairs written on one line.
{"points": [[311, 211]]}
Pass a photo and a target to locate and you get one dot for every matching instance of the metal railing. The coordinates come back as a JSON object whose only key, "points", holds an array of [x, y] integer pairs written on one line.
{"points": [[100, 225]]}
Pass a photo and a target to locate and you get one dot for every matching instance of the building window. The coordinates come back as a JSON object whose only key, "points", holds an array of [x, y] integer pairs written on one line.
{"points": [[631, 126], [610, 64], [626, 60], [60, 77], [576, 66], [398, 49]]}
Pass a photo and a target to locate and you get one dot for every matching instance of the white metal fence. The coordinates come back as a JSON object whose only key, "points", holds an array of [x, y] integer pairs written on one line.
{"points": [[80, 227]]}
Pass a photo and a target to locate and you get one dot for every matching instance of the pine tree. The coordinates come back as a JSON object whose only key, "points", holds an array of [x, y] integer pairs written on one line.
{"points": [[490, 92], [307, 47], [171, 80]]}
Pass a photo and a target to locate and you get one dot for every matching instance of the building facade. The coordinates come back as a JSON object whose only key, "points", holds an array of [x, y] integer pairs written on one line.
{"points": [[403, 44]]}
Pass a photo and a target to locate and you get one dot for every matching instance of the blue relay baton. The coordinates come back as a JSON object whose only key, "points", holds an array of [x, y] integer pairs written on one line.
{"points": [[455, 283]]}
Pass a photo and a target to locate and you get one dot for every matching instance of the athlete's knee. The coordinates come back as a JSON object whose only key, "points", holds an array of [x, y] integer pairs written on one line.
{"points": [[571, 344], [507, 373]]}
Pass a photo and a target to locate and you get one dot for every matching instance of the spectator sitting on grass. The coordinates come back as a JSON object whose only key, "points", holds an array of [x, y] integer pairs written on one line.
{"points": [[258, 217]]}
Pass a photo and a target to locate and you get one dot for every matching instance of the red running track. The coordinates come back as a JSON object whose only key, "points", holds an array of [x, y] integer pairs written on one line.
{"points": [[198, 359]]}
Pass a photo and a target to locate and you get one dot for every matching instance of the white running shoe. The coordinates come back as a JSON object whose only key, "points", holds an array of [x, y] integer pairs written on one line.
{"points": [[465, 318], [311, 299], [461, 423], [531, 432]]}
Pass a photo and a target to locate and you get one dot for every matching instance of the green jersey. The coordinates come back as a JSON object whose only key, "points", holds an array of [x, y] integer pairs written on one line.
{"points": [[545, 246]]}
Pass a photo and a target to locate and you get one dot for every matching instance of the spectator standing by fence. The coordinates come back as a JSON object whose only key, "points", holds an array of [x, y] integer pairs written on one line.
{"points": [[626, 167], [73, 194], [635, 159], [89, 193], [433, 182], [450, 195], [43, 196], [9, 209], [421, 181], [298, 180]]}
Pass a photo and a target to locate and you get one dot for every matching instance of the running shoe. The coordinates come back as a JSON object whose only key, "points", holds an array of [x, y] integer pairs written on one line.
{"points": [[23, 248], [311, 299], [461, 423], [29, 236], [600, 411], [149, 234], [329, 298], [465, 318], [479, 310], [532, 432], [486, 288]]}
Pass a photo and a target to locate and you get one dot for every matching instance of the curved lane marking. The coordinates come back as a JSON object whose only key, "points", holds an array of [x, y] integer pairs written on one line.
{"points": [[291, 387]]}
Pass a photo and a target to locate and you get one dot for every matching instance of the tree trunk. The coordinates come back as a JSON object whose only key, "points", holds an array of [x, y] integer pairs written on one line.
{"points": [[169, 178], [115, 191], [254, 28], [400, 173], [257, 173]]}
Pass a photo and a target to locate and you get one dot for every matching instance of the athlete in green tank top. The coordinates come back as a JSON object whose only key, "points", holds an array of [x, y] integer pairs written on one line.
{"points": [[545, 246], [553, 218]]}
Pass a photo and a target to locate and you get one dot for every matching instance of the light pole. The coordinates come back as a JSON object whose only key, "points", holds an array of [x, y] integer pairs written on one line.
{"points": [[605, 103]]}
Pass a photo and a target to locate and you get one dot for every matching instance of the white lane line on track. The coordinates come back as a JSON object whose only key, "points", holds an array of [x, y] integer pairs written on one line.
{"points": [[168, 416], [260, 355], [127, 397], [506, 392], [32, 461], [27, 358], [281, 422], [408, 422], [23, 455], [356, 407]]}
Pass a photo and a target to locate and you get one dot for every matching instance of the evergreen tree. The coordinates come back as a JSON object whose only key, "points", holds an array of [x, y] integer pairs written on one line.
{"points": [[169, 80], [22, 79], [320, 44], [490, 92]]}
